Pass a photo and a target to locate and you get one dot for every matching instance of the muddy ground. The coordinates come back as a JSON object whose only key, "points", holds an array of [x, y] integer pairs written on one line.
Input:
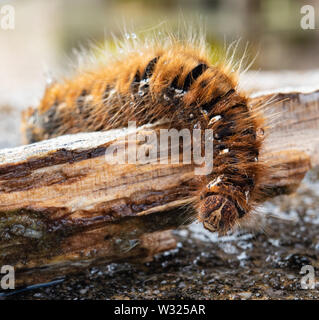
{"points": [[260, 265]]}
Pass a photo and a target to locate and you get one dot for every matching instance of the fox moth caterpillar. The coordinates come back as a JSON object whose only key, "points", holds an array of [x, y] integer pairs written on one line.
{"points": [[171, 78]]}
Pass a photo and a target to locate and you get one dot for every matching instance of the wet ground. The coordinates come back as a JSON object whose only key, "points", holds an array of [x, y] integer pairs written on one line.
{"points": [[261, 265]]}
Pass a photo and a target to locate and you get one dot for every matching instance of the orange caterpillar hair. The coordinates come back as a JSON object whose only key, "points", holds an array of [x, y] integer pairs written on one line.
{"points": [[167, 79]]}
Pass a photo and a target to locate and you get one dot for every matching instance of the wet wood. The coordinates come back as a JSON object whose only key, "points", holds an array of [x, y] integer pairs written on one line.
{"points": [[64, 208]]}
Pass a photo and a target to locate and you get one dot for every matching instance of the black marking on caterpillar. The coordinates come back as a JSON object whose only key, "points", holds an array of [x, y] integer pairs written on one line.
{"points": [[144, 83], [193, 75], [149, 69]]}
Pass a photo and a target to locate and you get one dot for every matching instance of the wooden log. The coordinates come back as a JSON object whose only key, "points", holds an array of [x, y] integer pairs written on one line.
{"points": [[63, 207], [292, 135]]}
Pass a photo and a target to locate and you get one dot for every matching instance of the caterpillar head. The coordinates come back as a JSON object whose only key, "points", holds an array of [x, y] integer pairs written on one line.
{"points": [[218, 213]]}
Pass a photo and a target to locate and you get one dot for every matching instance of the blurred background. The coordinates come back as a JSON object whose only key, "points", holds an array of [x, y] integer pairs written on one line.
{"points": [[263, 266], [46, 32]]}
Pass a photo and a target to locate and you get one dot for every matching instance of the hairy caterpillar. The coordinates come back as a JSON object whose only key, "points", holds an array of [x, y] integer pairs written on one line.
{"points": [[167, 79]]}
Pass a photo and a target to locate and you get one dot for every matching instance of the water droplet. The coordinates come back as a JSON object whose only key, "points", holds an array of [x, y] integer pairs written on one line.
{"points": [[197, 125]]}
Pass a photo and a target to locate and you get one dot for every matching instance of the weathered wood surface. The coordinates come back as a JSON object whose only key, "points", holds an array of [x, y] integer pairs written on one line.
{"points": [[63, 207], [292, 134]]}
